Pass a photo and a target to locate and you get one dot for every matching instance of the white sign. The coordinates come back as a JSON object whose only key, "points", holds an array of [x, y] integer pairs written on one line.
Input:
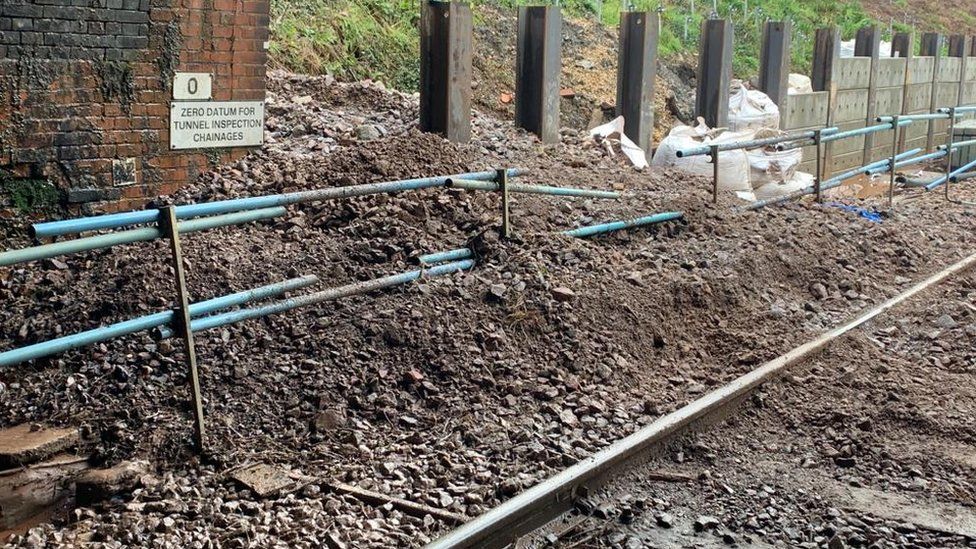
{"points": [[216, 124], [192, 85]]}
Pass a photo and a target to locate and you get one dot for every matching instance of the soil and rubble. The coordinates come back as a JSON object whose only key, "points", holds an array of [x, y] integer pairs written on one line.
{"points": [[456, 392], [870, 444]]}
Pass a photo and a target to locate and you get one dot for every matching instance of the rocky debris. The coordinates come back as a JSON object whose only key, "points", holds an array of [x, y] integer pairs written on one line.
{"points": [[706, 522], [29, 443], [514, 384], [664, 520], [563, 294], [265, 480], [328, 421], [368, 132], [101, 484], [822, 463]]}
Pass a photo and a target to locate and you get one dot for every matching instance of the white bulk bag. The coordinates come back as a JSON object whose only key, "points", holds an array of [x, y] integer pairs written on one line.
{"points": [[800, 180], [733, 165], [799, 83], [752, 110]]}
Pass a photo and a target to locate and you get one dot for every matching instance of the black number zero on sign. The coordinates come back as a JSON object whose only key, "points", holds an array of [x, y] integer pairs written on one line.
{"points": [[192, 86]]}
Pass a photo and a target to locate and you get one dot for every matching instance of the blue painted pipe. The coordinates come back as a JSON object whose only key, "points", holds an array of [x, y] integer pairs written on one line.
{"points": [[968, 108], [473, 185], [939, 181], [209, 322], [863, 131], [869, 168], [958, 145], [841, 135], [441, 257], [751, 143], [591, 230], [908, 162], [104, 333], [186, 211], [915, 117], [133, 235]]}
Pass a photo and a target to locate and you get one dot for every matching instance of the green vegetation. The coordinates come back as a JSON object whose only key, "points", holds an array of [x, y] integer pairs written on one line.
{"points": [[351, 39], [355, 39], [29, 195]]}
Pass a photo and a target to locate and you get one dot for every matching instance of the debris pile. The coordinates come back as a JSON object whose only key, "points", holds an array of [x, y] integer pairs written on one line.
{"points": [[453, 393]]}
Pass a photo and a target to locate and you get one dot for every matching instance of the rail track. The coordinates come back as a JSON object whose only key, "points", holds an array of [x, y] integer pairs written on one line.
{"points": [[551, 498]]}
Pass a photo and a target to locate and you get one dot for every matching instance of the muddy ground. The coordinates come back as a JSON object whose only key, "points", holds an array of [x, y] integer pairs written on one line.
{"points": [[456, 392], [871, 444]]}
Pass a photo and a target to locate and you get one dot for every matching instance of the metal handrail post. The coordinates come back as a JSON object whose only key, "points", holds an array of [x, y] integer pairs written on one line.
{"points": [[949, 171], [949, 143], [502, 179], [818, 142], [895, 140], [181, 319], [713, 153]]}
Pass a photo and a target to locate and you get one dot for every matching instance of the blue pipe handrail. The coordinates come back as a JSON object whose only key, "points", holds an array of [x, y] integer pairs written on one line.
{"points": [[216, 321], [148, 322], [185, 211]]}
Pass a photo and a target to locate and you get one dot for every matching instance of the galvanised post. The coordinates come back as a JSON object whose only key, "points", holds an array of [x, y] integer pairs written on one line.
{"points": [[948, 167], [896, 139], [181, 320], [818, 142], [713, 152], [502, 179]]}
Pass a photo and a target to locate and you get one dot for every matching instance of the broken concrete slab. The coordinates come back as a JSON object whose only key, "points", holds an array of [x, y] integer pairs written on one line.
{"points": [[28, 443], [265, 480], [102, 484]]}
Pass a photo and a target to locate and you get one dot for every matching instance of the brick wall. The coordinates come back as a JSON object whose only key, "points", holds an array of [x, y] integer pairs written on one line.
{"points": [[85, 89]]}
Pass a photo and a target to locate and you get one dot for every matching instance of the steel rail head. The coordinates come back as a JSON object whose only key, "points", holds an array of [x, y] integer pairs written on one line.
{"points": [[441, 257], [331, 294], [187, 211], [473, 185], [145, 234], [583, 232], [148, 322]]}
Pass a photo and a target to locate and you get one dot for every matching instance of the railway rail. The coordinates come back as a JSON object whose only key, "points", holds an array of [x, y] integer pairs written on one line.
{"points": [[549, 499]]}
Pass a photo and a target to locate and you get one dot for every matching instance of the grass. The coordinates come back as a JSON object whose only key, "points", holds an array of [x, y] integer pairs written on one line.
{"points": [[351, 39], [378, 39]]}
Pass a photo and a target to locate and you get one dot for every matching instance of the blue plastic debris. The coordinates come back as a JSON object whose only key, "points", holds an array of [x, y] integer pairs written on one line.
{"points": [[871, 215]]}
